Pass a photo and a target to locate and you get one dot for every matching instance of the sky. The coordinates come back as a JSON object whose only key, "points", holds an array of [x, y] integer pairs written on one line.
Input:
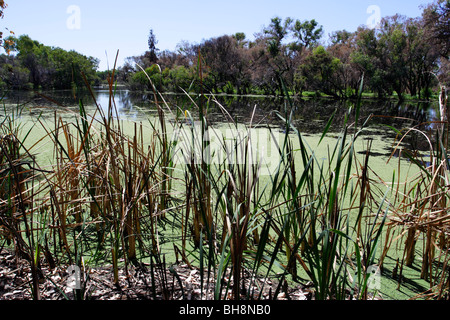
{"points": [[99, 28]]}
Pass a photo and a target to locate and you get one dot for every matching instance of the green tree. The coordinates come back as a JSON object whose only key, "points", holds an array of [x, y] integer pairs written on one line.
{"points": [[139, 81], [13, 75], [396, 57], [391, 45], [340, 37], [179, 78], [367, 60], [319, 71], [421, 59], [307, 33], [278, 61], [52, 67], [276, 32], [240, 39], [348, 75]]}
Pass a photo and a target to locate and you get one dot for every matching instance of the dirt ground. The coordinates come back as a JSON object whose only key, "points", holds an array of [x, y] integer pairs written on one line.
{"points": [[179, 281]]}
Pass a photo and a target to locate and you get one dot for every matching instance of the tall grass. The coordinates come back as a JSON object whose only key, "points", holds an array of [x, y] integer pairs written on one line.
{"points": [[421, 209], [118, 196], [16, 175]]}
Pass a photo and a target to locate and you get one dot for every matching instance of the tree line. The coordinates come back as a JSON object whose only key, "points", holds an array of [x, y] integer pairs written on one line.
{"points": [[402, 56], [37, 66]]}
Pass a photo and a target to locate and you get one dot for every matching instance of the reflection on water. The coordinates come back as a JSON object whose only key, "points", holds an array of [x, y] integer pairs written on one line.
{"points": [[309, 115], [66, 101]]}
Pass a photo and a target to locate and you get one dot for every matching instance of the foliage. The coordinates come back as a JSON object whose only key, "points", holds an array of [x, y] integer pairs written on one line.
{"points": [[401, 56], [13, 75], [47, 67], [395, 57], [307, 33], [320, 70], [436, 17]]}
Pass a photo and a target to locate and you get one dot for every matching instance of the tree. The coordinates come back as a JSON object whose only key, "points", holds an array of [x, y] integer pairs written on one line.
{"points": [[319, 70], [50, 67], [240, 39], [340, 37], [13, 75], [139, 80], [397, 57], [307, 33], [223, 56], [278, 61], [276, 32], [348, 75], [392, 42], [437, 32], [436, 17], [151, 55], [421, 59], [180, 77], [170, 59]]}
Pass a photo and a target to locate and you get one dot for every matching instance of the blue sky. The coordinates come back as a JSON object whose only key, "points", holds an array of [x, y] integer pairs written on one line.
{"points": [[105, 26]]}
